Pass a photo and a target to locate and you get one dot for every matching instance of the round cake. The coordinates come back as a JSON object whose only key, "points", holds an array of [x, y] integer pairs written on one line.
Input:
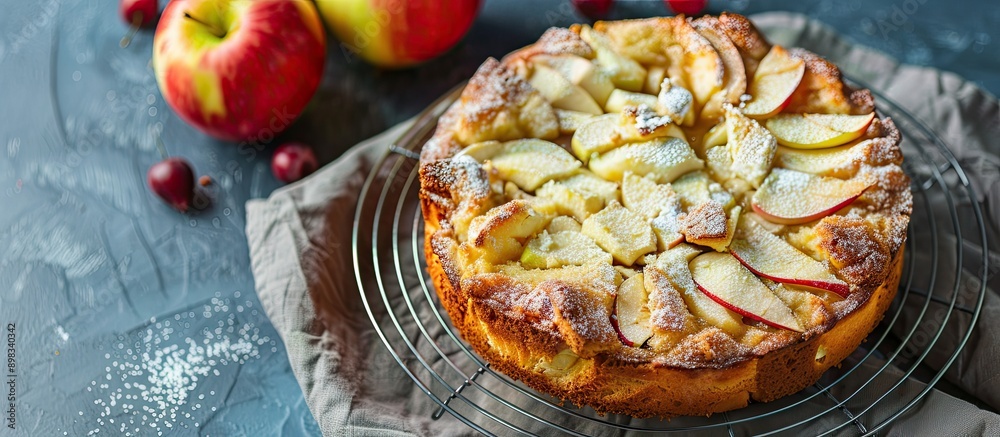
{"points": [[665, 216]]}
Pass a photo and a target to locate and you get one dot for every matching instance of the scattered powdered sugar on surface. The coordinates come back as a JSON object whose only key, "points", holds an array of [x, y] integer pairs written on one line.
{"points": [[674, 100], [647, 121], [158, 393]]}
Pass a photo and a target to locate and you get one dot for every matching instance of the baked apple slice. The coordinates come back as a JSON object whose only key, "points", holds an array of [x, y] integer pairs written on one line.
{"points": [[584, 180], [481, 151], [664, 158], [571, 121], [562, 223], [708, 225], [751, 146], [620, 232], [791, 197], [723, 279], [581, 72], [673, 264], [529, 163], [632, 312], [735, 79], [769, 256], [567, 248], [817, 131], [773, 83], [497, 234], [571, 201], [598, 135], [842, 161], [562, 93], [696, 188], [619, 99], [625, 72], [645, 197]]}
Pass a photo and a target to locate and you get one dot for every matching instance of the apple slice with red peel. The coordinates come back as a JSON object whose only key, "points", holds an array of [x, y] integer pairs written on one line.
{"points": [[632, 312], [723, 279], [773, 83], [768, 256], [673, 264], [817, 131], [791, 197], [833, 161]]}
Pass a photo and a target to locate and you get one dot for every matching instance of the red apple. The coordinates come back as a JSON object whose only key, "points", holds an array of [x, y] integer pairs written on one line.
{"points": [[398, 33], [241, 69], [138, 13], [293, 161], [686, 7], [594, 9], [173, 181]]}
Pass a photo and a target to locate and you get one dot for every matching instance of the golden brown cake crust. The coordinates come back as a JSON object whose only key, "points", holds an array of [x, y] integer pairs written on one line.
{"points": [[557, 336]]}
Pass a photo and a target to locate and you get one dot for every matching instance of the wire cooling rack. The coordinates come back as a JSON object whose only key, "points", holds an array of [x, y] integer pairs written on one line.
{"points": [[941, 291]]}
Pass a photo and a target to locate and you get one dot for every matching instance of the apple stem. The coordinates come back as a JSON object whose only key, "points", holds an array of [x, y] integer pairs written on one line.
{"points": [[161, 147], [219, 33], [127, 39]]}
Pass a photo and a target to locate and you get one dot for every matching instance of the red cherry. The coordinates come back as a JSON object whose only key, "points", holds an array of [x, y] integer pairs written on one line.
{"points": [[594, 9], [686, 7], [139, 13], [293, 161], [173, 180]]}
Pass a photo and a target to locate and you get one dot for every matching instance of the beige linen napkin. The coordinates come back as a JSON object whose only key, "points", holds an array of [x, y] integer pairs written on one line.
{"points": [[300, 247]]}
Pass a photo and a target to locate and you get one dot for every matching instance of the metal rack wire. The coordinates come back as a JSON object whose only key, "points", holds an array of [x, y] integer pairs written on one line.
{"points": [[870, 389]]}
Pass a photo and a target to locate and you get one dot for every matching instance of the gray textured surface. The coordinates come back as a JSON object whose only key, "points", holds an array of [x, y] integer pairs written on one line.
{"points": [[95, 271]]}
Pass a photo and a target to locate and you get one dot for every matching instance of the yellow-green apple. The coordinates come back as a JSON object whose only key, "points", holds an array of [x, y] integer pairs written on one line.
{"points": [[398, 33], [773, 83], [817, 131], [723, 279], [769, 256], [239, 69], [791, 197]]}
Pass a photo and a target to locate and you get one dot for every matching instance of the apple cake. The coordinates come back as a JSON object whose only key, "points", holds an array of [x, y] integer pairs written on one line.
{"points": [[665, 216]]}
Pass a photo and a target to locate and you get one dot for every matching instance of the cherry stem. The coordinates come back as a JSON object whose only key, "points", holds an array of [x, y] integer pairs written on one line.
{"points": [[219, 33], [136, 22]]}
